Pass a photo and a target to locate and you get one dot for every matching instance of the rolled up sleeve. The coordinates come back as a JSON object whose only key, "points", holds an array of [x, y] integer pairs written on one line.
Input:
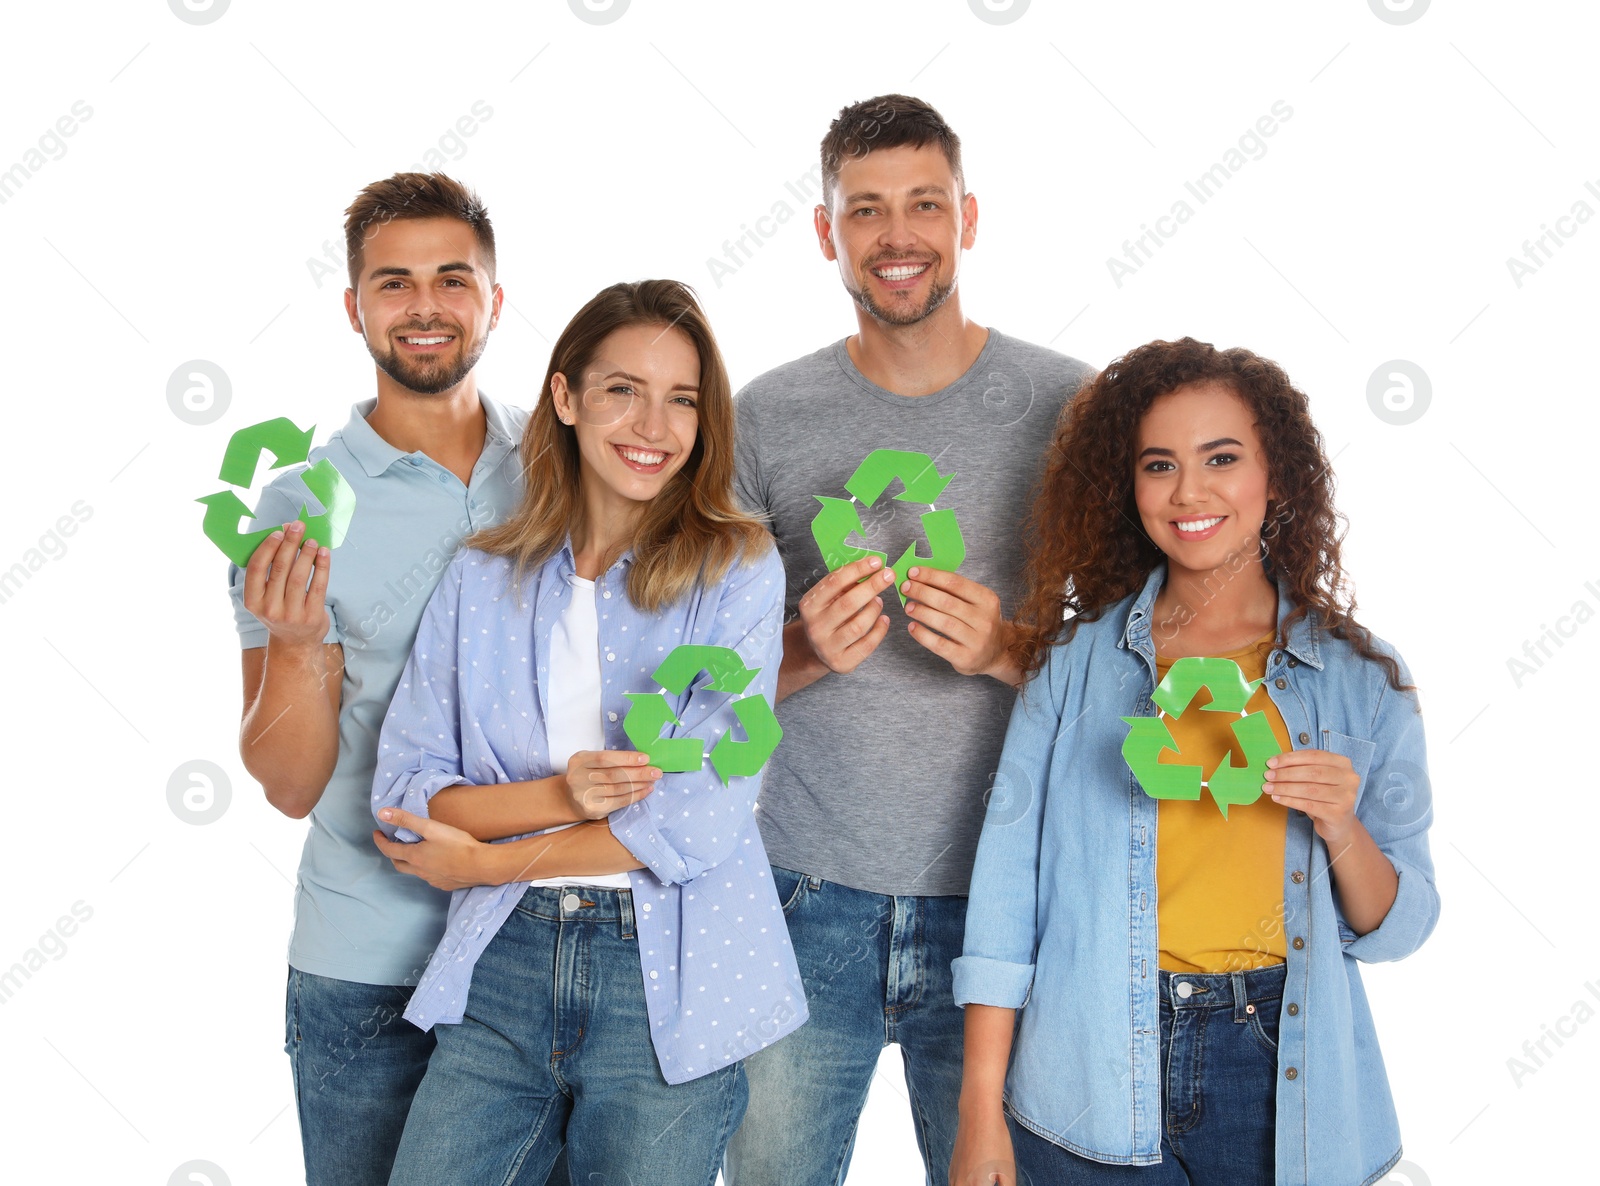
{"points": [[1396, 808], [692, 822]]}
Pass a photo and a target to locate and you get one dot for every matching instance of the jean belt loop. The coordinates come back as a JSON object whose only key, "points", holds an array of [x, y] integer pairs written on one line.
{"points": [[625, 912], [1241, 997]]}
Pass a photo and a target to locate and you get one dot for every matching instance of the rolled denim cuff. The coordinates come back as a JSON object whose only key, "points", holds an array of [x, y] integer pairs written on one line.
{"points": [[1409, 922], [979, 980]]}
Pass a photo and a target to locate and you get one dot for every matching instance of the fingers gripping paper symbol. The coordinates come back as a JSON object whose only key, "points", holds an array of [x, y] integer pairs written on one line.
{"points": [[1148, 737], [288, 446], [650, 713], [839, 518]]}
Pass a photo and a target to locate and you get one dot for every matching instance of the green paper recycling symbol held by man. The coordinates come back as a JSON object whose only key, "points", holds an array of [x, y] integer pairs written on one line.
{"points": [[839, 518]]}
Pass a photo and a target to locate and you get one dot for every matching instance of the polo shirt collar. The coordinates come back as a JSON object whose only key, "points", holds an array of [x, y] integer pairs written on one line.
{"points": [[376, 455]]}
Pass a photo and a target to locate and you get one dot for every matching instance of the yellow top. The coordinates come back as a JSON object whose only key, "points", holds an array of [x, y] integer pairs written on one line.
{"points": [[1219, 881]]}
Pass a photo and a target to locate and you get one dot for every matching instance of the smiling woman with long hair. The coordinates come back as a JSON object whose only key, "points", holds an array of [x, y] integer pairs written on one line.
{"points": [[1187, 968], [590, 998]]}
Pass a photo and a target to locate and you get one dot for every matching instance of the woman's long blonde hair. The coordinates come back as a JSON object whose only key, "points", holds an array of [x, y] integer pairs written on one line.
{"points": [[692, 531]]}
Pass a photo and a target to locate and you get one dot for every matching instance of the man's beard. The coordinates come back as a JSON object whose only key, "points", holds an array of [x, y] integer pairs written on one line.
{"points": [[427, 375], [938, 293]]}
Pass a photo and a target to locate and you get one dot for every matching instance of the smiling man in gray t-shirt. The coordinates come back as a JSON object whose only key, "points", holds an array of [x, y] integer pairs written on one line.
{"points": [[893, 719]]}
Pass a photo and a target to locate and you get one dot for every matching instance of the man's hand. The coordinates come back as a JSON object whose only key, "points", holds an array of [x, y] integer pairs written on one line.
{"points": [[446, 858], [275, 587], [599, 782], [843, 614], [959, 620]]}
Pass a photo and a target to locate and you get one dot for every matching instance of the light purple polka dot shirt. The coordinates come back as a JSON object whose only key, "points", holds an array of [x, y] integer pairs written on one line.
{"points": [[720, 977]]}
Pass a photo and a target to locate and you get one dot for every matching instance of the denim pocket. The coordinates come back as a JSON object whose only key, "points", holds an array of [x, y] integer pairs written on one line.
{"points": [[1263, 1025], [791, 888]]}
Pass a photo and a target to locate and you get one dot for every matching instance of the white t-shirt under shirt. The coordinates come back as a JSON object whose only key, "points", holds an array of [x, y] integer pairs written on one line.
{"points": [[572, 722]]}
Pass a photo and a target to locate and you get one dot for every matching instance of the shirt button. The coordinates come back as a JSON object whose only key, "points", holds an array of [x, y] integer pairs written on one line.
{"points": [[655, 975], [1305, 739], [1291, 1073], [1297, 877], [611, 716], [647, 907], [1299, 943], [1185, 989], [1294, 663], [570, 902], [610, 658], [607, 594], [1280, 683], [1294, 1010]]}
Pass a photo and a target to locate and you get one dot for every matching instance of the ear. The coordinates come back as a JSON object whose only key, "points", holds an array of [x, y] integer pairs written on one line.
{"points": [[969, 221], [561, 397], [494, 306], [824, 226], [353, 310]]}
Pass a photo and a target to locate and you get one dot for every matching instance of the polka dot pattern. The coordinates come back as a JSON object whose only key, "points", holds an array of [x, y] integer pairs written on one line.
{"points": [[471, 708]]}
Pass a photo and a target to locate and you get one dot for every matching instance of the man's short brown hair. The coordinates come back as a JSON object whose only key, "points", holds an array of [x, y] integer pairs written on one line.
{"points": [[414, 195], [888, 121]]}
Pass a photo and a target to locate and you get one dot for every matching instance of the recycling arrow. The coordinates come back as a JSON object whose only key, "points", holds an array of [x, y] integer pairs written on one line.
{"points": [[728, 672], [1230, 691], [922, 482], [839, 518], [1148, 737], [288, 446], [649, 713]]}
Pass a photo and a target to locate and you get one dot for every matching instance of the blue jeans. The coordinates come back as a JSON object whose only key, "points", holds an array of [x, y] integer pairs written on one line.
{"points": [[554, 1050], [876, 970], [1219, 1088], [356, 1063]]}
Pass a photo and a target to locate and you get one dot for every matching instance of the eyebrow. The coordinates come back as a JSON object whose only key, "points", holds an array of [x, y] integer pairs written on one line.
{"points": [[453, 266], [640, 382], [1157, 451], [921, 191]]}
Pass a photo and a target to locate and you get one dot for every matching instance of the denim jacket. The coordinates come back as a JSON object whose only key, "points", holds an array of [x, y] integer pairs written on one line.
{"points": [[1062, 916]]}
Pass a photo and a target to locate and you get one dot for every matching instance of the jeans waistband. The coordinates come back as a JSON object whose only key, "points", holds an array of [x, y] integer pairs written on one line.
{"points": [[580, 904], [1238, 991]]}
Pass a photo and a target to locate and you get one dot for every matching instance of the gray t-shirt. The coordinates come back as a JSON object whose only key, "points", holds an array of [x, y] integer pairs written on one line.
{"points": [[881, 779]]}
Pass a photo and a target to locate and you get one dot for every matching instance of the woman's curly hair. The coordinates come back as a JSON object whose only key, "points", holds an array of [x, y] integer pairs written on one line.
{"points": [[1087, 548]]}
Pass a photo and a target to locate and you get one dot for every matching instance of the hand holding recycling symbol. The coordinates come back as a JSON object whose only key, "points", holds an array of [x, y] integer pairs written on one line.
{"points": [[650, 714], [288, 446], [840, 518], [1229, 785]]}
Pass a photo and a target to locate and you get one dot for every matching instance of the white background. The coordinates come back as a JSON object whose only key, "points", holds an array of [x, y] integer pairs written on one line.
{"points": [[218, 158]]}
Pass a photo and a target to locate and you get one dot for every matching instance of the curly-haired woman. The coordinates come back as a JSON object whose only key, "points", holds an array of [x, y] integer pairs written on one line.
{"points": [[1191, 1008]]}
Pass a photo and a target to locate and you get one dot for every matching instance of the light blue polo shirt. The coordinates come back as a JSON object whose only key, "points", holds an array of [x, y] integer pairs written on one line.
{"points": [[355, 917]]}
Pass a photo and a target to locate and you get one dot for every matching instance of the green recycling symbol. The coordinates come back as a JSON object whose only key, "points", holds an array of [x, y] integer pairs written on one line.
{"points": [[650, 713], [1229, 785], [839, 518], [288, 446]]}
